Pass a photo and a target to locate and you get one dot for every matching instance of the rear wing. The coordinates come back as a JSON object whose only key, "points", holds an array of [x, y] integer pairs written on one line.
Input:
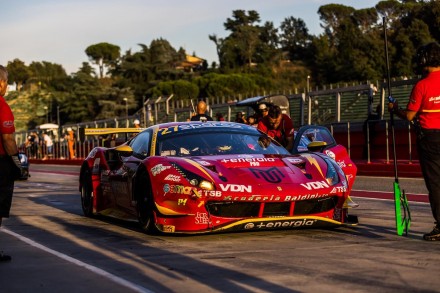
{"points": [[83, 132]]}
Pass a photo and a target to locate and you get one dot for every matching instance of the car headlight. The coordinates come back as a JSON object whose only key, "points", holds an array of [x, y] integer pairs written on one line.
{"points": [[206, 185], [194, 179], [332, 175]]}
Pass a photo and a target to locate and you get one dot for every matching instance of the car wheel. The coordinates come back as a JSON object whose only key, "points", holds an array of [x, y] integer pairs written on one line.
{"points": [[145, 204], [87, 194]]}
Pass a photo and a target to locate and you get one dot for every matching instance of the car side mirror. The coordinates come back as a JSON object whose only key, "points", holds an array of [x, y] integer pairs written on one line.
{"points": [[124, 150], [316, 146]]}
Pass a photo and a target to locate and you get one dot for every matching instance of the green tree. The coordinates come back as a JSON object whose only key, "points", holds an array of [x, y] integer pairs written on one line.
{"points": [[294, 37], [181, 89], [239, 48], [18, 72], [332, 16], [49, 75], [104, 55]]}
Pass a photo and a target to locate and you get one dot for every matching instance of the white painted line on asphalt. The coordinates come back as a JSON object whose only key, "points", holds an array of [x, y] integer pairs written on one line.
{"points": [[77, 262]]}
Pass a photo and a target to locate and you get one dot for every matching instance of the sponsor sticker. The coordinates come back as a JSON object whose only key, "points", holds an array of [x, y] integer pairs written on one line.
{"points": [[202, 218], [295, 160], [8, 124], [235, 187], [341, 164], [174, 178], [315, 185], [159, 168], [169, 228], [330, 154], [280, 224]]}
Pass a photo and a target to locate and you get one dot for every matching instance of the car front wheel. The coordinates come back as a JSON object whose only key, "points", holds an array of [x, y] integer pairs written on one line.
{"points": [[87, 194], [145, 204]]}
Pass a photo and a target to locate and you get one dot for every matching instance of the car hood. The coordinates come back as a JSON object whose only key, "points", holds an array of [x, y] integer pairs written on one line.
{"points": [[274, 172]]}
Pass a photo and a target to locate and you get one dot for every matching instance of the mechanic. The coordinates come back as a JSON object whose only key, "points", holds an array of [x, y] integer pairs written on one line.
{"points": [[71, 142], [10, 166], [201, 113], [279, 126], [262, 111], [137, 123], [424, 107]]}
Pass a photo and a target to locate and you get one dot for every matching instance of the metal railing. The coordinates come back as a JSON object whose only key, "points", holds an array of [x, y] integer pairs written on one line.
{"points": [[349, 106]]}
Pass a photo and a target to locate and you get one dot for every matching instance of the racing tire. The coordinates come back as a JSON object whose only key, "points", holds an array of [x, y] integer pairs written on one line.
{"points": [[145, 203], [87, 193]]}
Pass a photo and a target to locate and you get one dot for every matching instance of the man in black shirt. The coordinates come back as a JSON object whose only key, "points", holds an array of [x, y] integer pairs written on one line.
{"points": [[201, 113]]}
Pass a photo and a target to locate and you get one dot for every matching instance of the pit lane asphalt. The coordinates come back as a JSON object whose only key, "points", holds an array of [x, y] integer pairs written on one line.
{"points": [[55, 249]]}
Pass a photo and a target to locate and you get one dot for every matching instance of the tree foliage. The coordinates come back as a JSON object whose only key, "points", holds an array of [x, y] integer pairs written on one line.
{"points": [[104, 55], [253, 58]]}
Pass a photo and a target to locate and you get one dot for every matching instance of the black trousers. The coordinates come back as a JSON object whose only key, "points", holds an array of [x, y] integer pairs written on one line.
{"points": [[428, 147], [6, 186]]}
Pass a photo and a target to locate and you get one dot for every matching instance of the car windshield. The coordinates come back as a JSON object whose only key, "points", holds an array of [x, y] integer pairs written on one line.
{"points": [[218, 143]]}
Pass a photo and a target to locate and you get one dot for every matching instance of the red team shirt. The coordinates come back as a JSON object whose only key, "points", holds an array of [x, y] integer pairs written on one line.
{"points": [[425, 99], [285, 127], [6, 122]]}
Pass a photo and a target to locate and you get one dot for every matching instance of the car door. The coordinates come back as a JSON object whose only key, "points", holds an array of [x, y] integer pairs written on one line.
{"points": [[121, 178]]}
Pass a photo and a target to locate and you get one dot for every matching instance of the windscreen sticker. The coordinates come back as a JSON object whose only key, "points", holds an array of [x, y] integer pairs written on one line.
{"points": [[191, 126]]}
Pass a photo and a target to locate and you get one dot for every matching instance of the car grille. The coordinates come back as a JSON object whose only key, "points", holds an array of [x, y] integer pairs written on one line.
{"points": [[271, 209]]}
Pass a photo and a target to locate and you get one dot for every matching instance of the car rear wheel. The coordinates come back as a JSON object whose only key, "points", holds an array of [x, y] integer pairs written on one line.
{"points": [[87, 193], [145, 203]]}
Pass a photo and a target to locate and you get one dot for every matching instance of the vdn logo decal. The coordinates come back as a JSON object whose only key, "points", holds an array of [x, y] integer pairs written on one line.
{"points": [[315, 185], [272, 175], [236, 188]]}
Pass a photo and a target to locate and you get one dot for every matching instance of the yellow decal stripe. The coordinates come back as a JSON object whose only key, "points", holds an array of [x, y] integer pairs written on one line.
{"points": [[313, 162], [100, 131], [197, 165], [153, 141], [169, 212]]}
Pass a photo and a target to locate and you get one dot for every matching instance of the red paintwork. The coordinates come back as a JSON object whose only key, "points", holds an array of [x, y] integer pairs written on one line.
{"points": [[264, 179]]}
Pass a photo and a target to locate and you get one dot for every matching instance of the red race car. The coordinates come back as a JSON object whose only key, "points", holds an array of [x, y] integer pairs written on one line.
{"points": [[194, 177]]}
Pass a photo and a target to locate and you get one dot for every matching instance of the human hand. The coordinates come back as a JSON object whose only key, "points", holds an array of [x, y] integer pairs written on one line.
{"points": [[17, 170], [392, 107]]}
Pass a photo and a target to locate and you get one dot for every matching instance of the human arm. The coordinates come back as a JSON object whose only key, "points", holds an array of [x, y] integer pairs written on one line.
{"points": [[401, 113], [289, 145], [289, 132], [11, 149], [9, 144]]}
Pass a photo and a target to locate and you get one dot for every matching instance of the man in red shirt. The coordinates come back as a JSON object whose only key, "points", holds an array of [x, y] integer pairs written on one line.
{"points": [[424, 103], [10, 166], [279, 126]]}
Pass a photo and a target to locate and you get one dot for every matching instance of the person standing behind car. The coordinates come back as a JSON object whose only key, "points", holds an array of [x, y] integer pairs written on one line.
{"points": [[201, 113], [47, 140], [424, 103], [279, 126], [71, 142], [10, 166], [262, 111], [239, 118]]}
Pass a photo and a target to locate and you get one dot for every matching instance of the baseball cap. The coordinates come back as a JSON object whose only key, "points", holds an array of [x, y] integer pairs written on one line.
{"points": [[262, 107]]}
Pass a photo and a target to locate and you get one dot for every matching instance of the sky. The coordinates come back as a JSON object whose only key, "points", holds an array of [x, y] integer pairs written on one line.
{"points": [[59, 31]]}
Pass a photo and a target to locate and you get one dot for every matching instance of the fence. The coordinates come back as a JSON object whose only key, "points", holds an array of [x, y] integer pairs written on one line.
{"points": [[344, 108]]}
